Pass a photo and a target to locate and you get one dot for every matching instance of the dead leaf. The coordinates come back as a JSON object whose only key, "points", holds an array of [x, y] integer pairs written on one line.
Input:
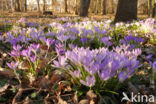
{"points": [[84, 101], [60, 100], [60, 88], [7, 74], [91, 94], [75, 98], [92, 102], [2, 89], [55, 78], [24, 65], [27, 100], [68, 89], [31, 78], [42, 82]]}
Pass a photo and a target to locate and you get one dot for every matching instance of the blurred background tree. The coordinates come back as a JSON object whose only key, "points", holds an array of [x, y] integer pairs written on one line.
{"points": [[121, 10]]}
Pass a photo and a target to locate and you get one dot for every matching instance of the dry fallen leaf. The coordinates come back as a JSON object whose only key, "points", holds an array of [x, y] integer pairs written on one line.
{"points": [[2, 89], [84, 101], [60, 100], [60, 88], [75, 98], [92, 102], [7, 74], [27, 100], [91, 94]]}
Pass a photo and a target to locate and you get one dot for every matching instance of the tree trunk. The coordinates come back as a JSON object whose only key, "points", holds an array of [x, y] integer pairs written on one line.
{"points": [[65, 6], [6, 4], [84, 6], [112, 2], [2, 4], [103, 7], [17, 5], [12, 6], [154, 10], [25, 5], [149, 8], [38, 3], [126, 10], [44, 5], [21, 5], [97, 7], [51, 5], [76, 11]]}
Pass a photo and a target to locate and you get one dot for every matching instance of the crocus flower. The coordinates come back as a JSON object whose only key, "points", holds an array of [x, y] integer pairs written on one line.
{"points": [[106, 41], [49, 42], [33, 58], [83, 40], [154, 65], [26, 52], [90, 81], [149, 57], [14, 53], [13, 41], [61, 63], [59, 49], [34, 47], [122, 76], [17, 47], [76, 73], [12, 65]]}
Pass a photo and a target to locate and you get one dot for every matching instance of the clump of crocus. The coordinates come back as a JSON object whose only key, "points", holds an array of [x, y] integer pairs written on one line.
{"points": [[95, 68], [14, 66]]}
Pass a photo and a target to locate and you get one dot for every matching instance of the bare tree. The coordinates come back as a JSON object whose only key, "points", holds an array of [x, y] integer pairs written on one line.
{"points": [[84, 6], [126, 10], [154, 9], [38, 3], [25, 5], [21, 5], [2, 4], [76, 8], [65, 6], [97, 6], [112, 3], [149, 8], [103, 7], [6, 4], [17, 5], [44, 5]]}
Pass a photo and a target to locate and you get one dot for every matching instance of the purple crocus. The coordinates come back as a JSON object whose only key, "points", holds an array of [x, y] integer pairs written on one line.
{"points": [[13, 41], [14, 53], [33, 58], [149, 57], [13, 65], [90, 81], [26, 52], [60, 49], [83, 40], [61, 63], [34, 47], [76, 73], [49, 42], [154, 65], [17, 47], [106, 41], [122, 76]]}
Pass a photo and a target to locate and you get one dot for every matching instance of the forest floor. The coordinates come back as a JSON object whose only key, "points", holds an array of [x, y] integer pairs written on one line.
{"points": [[47, 89], [34, 16]]}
